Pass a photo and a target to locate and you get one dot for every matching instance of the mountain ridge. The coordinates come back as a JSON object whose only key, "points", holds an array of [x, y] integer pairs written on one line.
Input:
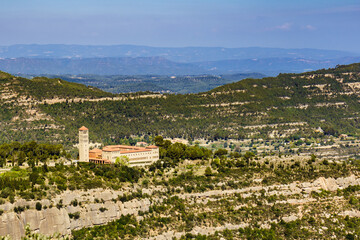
{"points": [[282, 106], [107, 66], [142, 60]]}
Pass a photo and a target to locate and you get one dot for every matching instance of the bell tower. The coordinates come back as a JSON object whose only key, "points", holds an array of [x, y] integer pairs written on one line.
{"points": [[83, 144]]}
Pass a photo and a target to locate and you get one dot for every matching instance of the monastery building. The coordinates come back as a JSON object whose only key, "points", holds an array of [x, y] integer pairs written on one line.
{"points": [[136, 156]]}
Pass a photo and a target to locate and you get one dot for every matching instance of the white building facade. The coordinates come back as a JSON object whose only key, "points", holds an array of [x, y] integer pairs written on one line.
{"points": [[134, 155]]}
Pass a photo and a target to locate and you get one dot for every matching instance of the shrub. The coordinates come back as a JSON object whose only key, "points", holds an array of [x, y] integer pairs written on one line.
{"points": [[74, 202], [38, 206], [75, 215], [353, 200], [19, 209], [145, 182], [102, 209], [208, 172], [60, 204]]}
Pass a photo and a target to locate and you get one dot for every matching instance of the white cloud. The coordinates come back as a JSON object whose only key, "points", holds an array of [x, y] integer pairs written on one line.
{"points": [[309, 27], [284, 27], [290, 26]]}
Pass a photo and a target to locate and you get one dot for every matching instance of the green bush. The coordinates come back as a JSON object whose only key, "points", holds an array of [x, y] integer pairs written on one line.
{"points": [[75, 215], [208, 172], [74, 202], [102, 209], [38, 206], [59, 204], [19, 209]]}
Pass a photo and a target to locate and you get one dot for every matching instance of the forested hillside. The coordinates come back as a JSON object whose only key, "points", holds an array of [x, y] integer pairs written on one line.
{"points": [[45, 88], [282, 106]]}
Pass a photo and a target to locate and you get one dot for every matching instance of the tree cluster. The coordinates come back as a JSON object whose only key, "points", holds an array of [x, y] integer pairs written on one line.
{"points": [[180, 150], [30, 152]]}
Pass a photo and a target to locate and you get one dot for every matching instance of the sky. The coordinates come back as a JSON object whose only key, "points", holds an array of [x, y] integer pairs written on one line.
{"points": [[330, 24]]}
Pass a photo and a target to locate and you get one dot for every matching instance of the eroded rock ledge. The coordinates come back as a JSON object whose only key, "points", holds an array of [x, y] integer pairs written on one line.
{"points": [[95, 207], [99, 206]]}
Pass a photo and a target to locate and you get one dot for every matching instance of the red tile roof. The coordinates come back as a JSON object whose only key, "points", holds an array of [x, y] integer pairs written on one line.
{"points": [[152, 147], [105, 149], [127, 149], [96, 150], [83, 128], [123, 146]]}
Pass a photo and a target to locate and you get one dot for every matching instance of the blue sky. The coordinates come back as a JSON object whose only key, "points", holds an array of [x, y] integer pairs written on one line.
{"points": [[331, 24]]}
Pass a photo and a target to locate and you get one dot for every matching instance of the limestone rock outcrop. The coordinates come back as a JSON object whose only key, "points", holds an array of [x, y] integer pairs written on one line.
{"points": [[94, 207], [72, 210]]}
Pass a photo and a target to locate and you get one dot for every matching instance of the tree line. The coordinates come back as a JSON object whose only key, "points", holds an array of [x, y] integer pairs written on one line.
{"points": [[30, 152]]}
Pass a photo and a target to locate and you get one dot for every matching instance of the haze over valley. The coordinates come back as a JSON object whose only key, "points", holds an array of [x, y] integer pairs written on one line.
{"points": [[140, 60]]}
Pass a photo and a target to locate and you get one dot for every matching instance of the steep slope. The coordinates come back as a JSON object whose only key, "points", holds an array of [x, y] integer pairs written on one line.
{"points": [[46, 88], [282, 106], [20, 116]]}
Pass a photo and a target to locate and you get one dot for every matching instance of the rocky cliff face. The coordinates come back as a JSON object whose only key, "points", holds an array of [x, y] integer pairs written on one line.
{"points": [[95, 207], [99, 206], [298, 189]]}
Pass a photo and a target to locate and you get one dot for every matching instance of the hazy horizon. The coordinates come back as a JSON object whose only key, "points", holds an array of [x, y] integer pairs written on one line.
{"points": [[190, 46], [330, 25]]}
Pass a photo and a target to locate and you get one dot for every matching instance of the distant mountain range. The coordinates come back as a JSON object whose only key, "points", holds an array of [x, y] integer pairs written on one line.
{"points": [[185, 54], [162, 66], [135, 60], [101, 66]]}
